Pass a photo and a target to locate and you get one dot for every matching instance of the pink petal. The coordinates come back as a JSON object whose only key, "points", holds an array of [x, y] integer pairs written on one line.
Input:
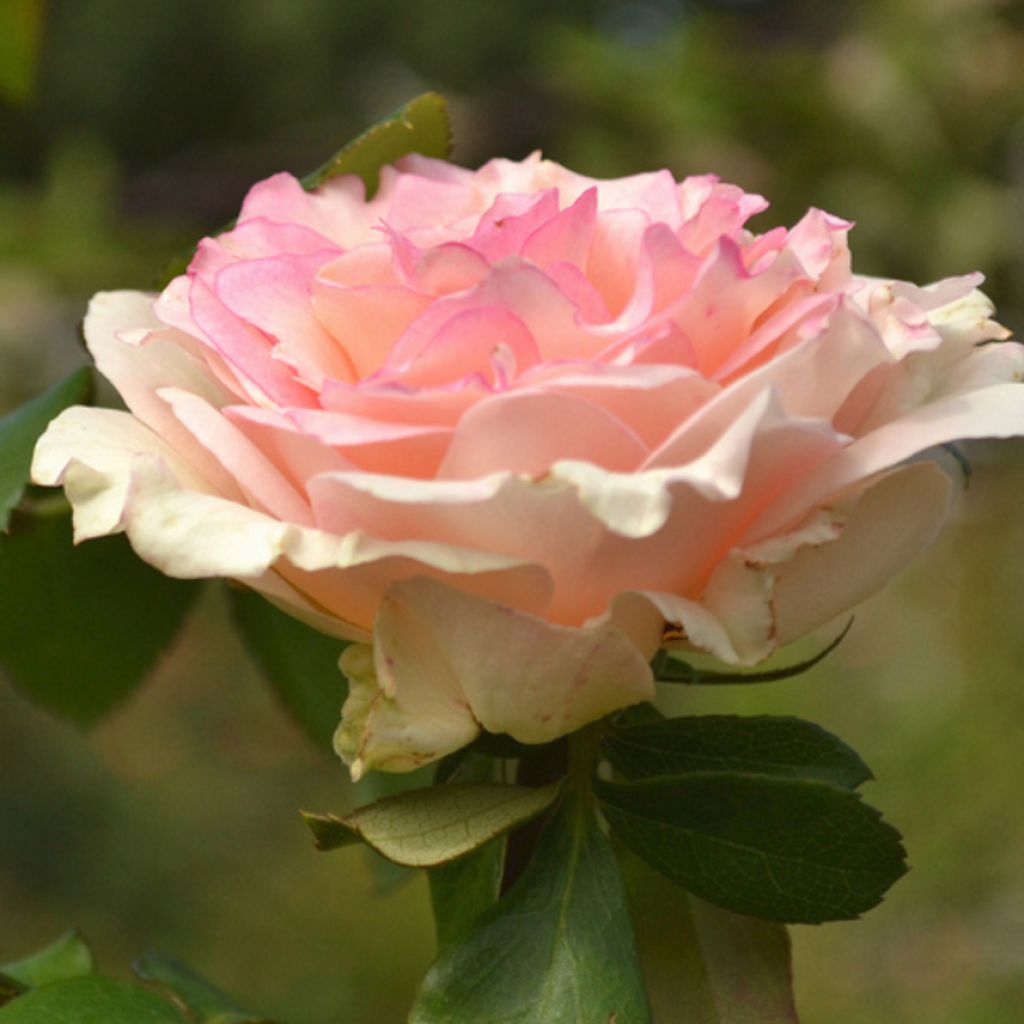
{"points": [[526, 432], [247, 351], [485, 340], [265, 487], [510, 221], [366, 321], [274, 296]]}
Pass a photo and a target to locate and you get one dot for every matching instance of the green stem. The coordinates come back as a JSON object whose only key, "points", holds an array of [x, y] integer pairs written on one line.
{"points": [[548, 764], [584, 747]]}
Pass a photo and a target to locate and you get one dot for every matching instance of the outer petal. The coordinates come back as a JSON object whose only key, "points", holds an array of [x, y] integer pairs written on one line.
{"points": [[120, 476], [447, 663], [771, 593], [893, 522]]}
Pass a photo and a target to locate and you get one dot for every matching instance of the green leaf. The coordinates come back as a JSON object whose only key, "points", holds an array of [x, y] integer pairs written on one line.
{"points": [[431, 826], [300, 663], [68, 957], [557, 948], [758, 744], [20, 429], [705, 965], [202, 1001], [81, 626], [420, 126], [21, 23], [89, 1001], [463, 889], [784, 849], [669, 669]]}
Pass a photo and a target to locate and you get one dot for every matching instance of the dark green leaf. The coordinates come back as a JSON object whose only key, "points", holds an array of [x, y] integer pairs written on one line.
{"points": [[431, 826], [420, 126], [705, 965], [89, 1001], [202, 1001], [557, 948], [81, 626], [300, 663], [463, 889], [758, 744], [784, 849], [669, 669], [68, 957], [20, 429]]}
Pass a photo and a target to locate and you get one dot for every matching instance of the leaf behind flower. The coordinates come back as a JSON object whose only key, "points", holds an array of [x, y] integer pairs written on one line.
{"points": [[20, 429], [80, 627], [419, 126]]}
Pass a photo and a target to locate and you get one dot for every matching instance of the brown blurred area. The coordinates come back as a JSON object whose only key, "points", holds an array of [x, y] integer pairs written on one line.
{"points": [[126, 130]]}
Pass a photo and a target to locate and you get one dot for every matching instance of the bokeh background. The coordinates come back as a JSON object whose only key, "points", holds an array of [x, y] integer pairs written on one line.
{"points": [[128, 129]]}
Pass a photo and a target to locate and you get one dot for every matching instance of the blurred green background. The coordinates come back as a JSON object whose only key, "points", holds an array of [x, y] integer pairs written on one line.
{"points": [[127, 129]]}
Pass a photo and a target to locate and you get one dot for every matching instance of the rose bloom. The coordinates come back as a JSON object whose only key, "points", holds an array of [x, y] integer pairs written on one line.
{"points": [[512, 430]]}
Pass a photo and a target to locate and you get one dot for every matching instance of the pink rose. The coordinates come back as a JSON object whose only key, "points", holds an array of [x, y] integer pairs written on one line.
{"points": [[517, 428]]}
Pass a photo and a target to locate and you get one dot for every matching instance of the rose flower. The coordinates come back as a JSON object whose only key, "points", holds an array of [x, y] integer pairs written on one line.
{"points": [[516, 429]]}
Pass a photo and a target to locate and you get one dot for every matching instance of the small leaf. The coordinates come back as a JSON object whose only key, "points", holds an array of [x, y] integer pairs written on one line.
{"points": [[557, 948], [463, 889], [705, 965], [784, 849], [203, 1002], [20, 429], [420, 126], [68, 957], [758, 744], [434, 825], [669, 669], [385, 875], [300, 663], [81, 626], [89, 1001]]}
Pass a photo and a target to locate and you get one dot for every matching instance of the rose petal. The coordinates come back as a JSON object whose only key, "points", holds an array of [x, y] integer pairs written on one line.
{"points": [[439, 652]]}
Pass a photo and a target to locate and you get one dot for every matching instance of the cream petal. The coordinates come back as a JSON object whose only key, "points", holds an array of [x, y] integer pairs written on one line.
{"points": [[438, 651], [384, 728], [90, 453], [993, 411], [139, 369], [884, 530]]}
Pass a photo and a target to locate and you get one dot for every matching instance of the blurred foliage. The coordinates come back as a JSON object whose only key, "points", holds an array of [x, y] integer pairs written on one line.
{"points": [[127, 129], [20, 22]]}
